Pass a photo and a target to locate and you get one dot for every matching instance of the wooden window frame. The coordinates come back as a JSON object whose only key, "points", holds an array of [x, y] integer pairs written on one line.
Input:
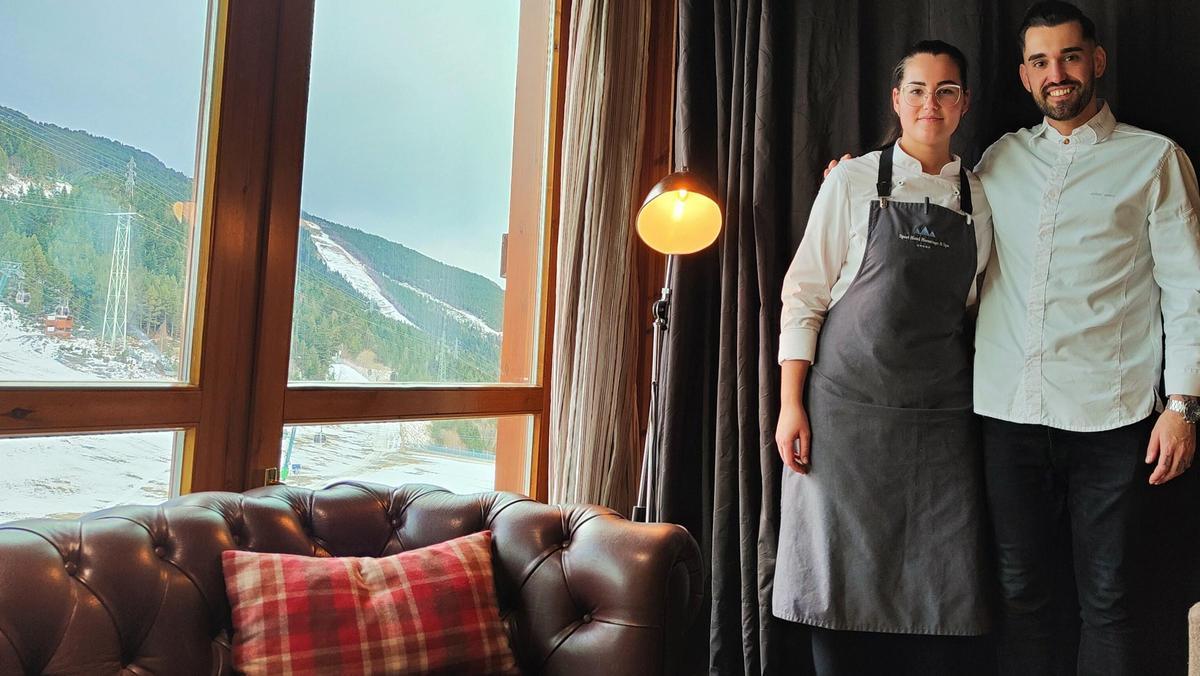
{"points": [[237, 400]]}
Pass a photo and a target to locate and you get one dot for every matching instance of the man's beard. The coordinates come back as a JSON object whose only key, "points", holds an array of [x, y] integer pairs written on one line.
{"points": [[1071, 108]]}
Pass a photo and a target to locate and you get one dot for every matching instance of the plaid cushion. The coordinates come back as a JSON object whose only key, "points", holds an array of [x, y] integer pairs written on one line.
{"points": [[428, 611]]}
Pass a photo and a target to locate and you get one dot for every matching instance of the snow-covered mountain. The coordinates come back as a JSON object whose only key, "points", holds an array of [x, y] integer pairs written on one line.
{"points": [[340, 261], [419, 320]]}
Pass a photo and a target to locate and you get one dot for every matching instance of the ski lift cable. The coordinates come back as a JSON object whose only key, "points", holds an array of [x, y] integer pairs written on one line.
{"points": [[83, 154], [86, 157], [159, 228]]}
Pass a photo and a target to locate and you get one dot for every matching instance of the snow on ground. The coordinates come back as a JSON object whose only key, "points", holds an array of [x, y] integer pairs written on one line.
{"points": [[68, 475], [64, 476], [28, 354], [342, 262], [345, 373], [14, 187], [463, 315], [386, 453]]}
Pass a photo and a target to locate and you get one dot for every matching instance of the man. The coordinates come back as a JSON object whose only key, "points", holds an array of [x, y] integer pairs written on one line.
{"points": [[1096, 256]]}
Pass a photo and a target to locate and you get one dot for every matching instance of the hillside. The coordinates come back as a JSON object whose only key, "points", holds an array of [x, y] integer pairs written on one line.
{"points": [[377, 309]]}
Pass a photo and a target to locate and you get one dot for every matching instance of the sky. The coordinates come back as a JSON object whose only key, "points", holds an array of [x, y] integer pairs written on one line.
{"points": [[410, 104]]}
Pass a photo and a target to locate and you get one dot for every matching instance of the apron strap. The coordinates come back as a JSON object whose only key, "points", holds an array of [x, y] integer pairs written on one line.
{"points": [[883, 185], [964, 191]]}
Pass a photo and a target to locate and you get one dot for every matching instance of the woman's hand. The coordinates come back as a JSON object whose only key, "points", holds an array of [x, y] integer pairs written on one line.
{"points": [[793, 437]]}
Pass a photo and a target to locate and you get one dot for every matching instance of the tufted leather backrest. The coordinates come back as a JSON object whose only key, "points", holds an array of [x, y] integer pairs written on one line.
{"points": [[139, 590]]}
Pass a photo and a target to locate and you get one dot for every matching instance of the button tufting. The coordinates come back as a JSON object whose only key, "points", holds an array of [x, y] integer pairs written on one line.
{"points": [[71, 568], [160, 551], [396, 522], [566, 543], [587, 617]]}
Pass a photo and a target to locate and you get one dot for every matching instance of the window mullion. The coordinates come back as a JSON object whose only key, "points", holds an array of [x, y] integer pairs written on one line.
{"points": [[228, 330], [273, 343]]}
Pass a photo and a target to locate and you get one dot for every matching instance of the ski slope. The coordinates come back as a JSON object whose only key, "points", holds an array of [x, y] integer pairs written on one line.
{"points": [[343, 263], [462, 315]]}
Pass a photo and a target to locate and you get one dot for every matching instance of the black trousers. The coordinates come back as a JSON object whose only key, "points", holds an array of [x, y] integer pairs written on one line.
{"points": [[1065, 505], [864, 653]]}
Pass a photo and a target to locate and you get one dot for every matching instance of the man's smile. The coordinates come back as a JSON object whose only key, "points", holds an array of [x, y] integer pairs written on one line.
{"points": [[1060, 91]]}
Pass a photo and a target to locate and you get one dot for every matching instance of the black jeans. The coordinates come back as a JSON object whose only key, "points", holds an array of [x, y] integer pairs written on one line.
{"points": [[864, 653], [1042, 484]]}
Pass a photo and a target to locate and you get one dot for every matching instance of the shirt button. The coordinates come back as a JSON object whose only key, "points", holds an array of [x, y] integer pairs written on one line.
{"points": [[1066, 142]]}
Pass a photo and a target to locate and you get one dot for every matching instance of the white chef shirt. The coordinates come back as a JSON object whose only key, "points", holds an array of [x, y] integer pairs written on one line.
{"points": [[1096, 245], [831, 252]]}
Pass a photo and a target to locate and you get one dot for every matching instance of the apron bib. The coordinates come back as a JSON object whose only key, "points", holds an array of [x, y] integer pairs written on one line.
{"points": [[885, 531]]}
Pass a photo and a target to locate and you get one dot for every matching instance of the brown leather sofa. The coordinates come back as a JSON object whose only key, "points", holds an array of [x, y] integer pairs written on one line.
{"points": [[139, 590]]}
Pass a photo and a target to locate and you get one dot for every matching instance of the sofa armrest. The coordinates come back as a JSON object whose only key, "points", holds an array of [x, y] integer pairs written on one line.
{"points": [[597, 594]]}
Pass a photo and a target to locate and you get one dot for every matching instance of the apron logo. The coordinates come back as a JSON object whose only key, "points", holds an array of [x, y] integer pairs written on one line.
{"points": [[924, 238]]}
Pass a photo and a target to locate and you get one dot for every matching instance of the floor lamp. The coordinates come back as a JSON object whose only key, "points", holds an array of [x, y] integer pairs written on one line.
{"points": [[680, 216]]}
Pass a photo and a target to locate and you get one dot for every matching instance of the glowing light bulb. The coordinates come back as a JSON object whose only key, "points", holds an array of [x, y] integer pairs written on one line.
{"points": [[677, 212]]}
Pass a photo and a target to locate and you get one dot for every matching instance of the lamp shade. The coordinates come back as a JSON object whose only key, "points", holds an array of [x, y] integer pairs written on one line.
{"points": [[680, 215]]}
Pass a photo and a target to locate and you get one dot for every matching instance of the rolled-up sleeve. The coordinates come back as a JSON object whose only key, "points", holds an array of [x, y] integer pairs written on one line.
{"points": [[815, 269], [1175, 246]]}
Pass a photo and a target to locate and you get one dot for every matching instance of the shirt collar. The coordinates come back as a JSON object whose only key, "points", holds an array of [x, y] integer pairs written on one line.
{"points": [[910, 163], [1095, 130]]}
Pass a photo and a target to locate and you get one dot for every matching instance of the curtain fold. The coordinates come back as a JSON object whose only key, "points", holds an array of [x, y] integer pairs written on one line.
{"points": [[594, 450], [767, 92]]}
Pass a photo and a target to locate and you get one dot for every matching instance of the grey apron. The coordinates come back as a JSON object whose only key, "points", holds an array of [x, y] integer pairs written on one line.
{"points": [[884, 533]]}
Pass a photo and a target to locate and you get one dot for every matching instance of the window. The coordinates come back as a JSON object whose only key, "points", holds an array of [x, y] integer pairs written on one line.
{"points": [[423, 220], [161, 294], [99, 179], [420, 239]]}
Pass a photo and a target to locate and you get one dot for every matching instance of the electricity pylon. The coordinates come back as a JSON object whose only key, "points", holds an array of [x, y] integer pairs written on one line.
{"points": [[116, 301]]}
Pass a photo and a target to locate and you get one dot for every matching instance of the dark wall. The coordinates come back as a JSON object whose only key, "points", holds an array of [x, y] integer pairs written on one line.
{"points": [[1153, 48]]}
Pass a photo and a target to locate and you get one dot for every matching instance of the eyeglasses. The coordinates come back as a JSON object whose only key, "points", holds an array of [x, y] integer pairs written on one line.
{"points": [[947, 95]]}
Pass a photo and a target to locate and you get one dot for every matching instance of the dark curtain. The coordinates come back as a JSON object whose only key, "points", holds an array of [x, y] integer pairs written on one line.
{"points": [[768, 91]]}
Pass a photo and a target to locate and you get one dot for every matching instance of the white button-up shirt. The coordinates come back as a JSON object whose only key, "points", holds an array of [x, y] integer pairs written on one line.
{"points": [[831, 252], [1097, 250]]}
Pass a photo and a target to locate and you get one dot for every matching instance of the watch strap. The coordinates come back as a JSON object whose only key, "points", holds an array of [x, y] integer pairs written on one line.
{"points": [[1189, 410]]}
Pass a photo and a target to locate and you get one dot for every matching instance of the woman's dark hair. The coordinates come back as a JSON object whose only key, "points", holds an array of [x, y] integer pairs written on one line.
{"points": [[935, 48]]}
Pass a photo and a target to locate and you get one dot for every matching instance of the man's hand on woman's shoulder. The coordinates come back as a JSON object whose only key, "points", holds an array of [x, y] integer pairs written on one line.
{"points": [[834, 163]]}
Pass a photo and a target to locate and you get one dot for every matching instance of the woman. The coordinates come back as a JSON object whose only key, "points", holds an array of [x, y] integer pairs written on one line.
{"points": [[880, 550]]}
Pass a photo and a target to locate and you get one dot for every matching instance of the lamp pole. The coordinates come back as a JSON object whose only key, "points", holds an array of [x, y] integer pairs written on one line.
{"points": [[646, 509]]}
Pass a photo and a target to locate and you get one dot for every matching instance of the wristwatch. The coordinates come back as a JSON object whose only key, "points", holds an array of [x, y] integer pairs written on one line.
{"points": [[1188, 407]]}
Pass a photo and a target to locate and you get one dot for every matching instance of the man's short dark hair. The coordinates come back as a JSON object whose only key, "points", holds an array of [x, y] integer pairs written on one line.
{"points": [[1055, 13]]}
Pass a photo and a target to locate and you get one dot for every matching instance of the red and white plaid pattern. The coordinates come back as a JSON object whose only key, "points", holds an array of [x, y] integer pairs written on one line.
{"points": [[428, 611]]}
